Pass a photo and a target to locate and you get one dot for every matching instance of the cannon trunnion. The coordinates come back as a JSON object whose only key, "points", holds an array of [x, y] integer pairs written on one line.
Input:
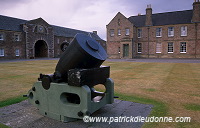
{"points": [[68, 94]]}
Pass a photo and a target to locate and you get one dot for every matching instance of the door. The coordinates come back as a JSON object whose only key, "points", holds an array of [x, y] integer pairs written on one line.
{"points": [[125, 50]]}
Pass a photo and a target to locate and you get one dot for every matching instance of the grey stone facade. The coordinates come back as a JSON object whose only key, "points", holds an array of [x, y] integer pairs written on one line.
{"points": [[20, 39]]}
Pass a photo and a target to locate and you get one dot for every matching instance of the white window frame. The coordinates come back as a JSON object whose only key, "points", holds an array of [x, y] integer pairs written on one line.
{"points": [[17, 52], [127, 31], [158, 47], [139, 33], [184, 31], [139, 50], [2, 52], [171, 47], [170, 31], [1, 36], [183, 47], [112, 33], [158, 32], [119, 32]]}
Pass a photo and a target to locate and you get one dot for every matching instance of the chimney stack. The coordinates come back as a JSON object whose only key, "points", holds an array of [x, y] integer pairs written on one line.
{"points": [[148, 21], [196, 11]]}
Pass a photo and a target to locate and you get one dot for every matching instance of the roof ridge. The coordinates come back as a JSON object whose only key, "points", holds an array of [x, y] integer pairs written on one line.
{"points": [[12, 17], [69, 28], [171, 12], [162, 13]]}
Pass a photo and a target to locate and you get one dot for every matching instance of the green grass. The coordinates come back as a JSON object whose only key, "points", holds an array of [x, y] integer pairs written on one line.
{"points": [[151, 89], [173, 88], [12, 101], [3, 126], [193, 107]]}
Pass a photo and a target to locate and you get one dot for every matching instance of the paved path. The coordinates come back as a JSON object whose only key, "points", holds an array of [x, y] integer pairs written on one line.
{"points": [[158, 60], [24, 115]]}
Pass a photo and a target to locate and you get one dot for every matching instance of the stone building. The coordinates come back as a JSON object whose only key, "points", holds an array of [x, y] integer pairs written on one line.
{"points": [[22, 39], [162, 35]]}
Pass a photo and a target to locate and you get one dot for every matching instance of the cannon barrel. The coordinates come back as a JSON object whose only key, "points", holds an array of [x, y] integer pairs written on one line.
{"points": [[82, 53]]}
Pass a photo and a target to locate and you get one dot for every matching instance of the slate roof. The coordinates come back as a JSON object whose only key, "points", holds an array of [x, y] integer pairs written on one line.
{"points": [[68, 32], [168, 18], [14, 24], [9, 23]]}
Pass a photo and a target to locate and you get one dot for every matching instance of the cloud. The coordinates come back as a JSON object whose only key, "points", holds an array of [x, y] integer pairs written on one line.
{"points": [[87, 15], [10, 4]]}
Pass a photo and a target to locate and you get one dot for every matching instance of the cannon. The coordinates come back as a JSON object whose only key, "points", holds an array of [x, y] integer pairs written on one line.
{"points": [[68, 94]]}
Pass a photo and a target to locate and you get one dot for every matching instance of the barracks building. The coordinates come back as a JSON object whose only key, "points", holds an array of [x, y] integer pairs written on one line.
{"points": [[22, 39], [161, 35]]}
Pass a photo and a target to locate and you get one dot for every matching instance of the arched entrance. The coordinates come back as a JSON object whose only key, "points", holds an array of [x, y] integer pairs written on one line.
{"points": [[41, 49]]}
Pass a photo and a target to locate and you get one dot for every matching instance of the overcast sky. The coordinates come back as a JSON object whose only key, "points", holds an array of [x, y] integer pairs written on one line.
{"points": [[87, 15]]}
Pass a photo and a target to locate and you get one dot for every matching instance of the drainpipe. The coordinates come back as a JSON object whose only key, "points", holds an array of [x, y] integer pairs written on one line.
{"points": [[148, 41], [132, 48], [195, 40]]}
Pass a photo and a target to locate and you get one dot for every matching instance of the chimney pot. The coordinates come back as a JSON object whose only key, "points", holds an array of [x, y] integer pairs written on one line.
{"points": [[95, 32]]}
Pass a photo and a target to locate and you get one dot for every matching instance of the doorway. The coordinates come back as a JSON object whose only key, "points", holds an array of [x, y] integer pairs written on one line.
{"points": [[125, 50], [41, 49]]}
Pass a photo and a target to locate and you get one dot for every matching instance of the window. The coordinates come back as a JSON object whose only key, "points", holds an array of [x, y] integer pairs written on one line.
{"points": [[127, 31], [183, 47], [139, 33], [119, 22], [119, 50], [119, 32], [58, 41], [170, 47], [170, 31], [112, 32], [158, 47], [139, 47], [184, 31], [1, 52], [1, 36], [40, 29], [158, 32], [16, 37], [17, 52]]}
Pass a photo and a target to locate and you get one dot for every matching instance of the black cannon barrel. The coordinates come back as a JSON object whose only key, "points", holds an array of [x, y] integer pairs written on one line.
{"points": [[82, 52]]}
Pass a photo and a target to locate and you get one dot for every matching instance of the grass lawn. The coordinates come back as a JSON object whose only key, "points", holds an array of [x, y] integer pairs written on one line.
{"points": [[173, 88]]}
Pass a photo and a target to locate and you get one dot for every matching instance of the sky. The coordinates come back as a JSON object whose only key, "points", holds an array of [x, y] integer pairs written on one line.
{"points": [[86, 15]]}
